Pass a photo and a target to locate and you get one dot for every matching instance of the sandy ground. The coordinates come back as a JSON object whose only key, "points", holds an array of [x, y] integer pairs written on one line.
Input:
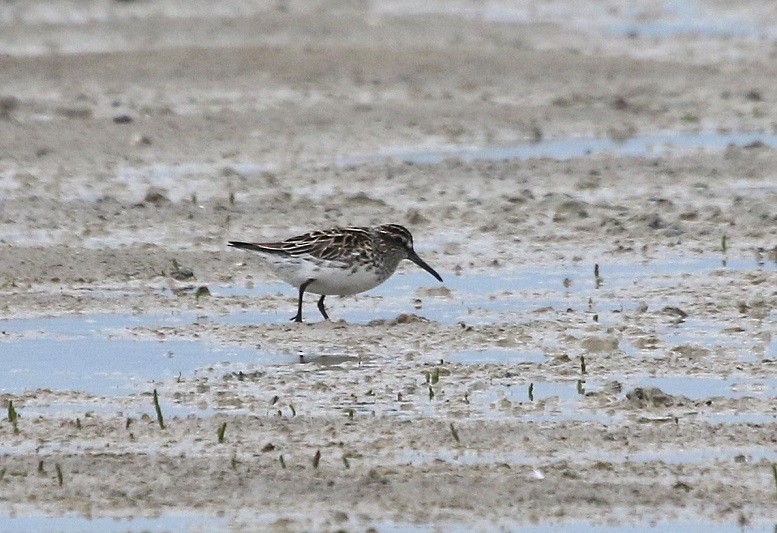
{"points": [[136, 134]]}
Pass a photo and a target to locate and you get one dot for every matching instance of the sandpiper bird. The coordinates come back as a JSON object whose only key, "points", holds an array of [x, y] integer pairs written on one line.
{"points": [[338, 261]]}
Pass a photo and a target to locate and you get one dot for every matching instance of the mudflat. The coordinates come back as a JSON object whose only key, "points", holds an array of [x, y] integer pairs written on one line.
{"points": [[595, 183]]}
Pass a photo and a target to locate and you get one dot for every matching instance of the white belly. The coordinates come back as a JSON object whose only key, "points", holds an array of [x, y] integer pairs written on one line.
{"points": [[330, 277]]}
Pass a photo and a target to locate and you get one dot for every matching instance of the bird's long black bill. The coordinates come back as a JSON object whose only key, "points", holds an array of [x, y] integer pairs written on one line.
{"points": [[420, 262]]}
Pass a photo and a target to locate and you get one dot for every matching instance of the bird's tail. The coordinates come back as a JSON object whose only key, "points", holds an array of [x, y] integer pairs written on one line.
{"points": [[257, 247]]}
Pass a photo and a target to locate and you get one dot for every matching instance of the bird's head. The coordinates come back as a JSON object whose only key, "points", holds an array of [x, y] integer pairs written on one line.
{"points": [[399, 238]]}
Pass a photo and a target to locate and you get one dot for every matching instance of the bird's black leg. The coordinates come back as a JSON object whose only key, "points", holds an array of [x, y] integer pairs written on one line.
{"points": [[298, 316], [321, 306]]}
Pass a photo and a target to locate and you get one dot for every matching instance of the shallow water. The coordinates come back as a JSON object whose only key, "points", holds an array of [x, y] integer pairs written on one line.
{"points": [[707, 387], [140, 405], [109, 366], [675, 456], [668, 19], [489, 296], [567, 399], [99, 354], [694, 387], [194, 522], [650, 145], [198, 175], [687, 17], [72, 523]]}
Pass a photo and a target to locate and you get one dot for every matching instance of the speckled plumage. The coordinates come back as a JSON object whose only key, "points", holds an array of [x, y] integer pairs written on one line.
{"points": [[339, 260]]}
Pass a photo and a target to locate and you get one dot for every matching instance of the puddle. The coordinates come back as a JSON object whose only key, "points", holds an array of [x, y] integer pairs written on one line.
{"points": [[684, 17], [142, 405], [569, 400], [686, 526], [713, 336], [649, 524], [242, 520], [106, 367], [198, 176], [548, 401], [693, 456], [670, 455], [568, 393], [651, 145], [707, 338], [666, 19], [91, 324], [481, 297], [97, 354], [697, 388], [73, 523]]}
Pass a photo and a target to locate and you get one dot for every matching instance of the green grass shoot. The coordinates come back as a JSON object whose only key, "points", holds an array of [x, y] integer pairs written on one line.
{"points": [[774, 473], [40, 467], [222, 429], [282, 461], [78, 423], [293, 411], [454, 433], [431, 393], [531, 392], [582, 364], [159, 416], [435, 376], [59, 474], [724, 243], [346, 464], [316, 458], [13, 416]]}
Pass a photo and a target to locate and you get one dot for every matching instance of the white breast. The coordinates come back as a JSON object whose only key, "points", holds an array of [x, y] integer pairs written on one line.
{"points": [[330, 277]]}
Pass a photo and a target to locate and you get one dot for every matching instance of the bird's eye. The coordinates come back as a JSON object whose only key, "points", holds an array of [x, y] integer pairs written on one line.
{"points": [[399, 240]]}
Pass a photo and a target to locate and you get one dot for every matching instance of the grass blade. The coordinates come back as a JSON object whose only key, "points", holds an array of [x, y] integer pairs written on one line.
{"points": [[774, 473], [159, 416], [454, 433]]}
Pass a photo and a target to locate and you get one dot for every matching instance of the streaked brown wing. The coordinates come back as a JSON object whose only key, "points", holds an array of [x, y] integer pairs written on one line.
{"points": [[332, 244]]}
